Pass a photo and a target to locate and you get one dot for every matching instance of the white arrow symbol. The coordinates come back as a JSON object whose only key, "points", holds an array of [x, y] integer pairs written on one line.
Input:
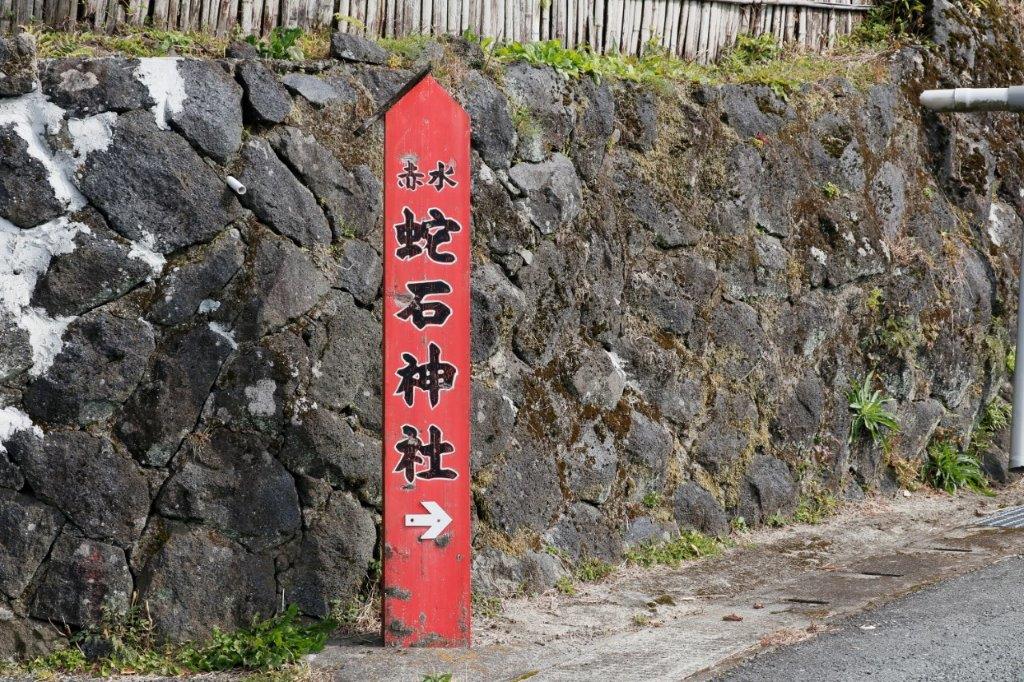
{"points": [[437, 520]]}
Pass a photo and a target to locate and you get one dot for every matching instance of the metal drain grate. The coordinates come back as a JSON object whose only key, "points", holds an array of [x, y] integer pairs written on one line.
{"points": [[1007, 518]]}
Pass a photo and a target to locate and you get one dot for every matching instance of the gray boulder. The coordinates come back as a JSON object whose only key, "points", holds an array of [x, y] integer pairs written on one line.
{"points": [[496, 307], [697, 509], [230, 482], [334, 556], [103, 492], [150, 184], [184, 578], [799, 415], [648, 445], [733, 419], [492, 417], [211, 115], [283, 284], [26, 196], [17, 64], [352, 48], [316, 91], [351, 199], [101, 362], [15, 348], [524, 491], [768, 488], [492, 131], [278, 199], [598, 379], [165, 407], [27, 530], [83, 581], [591, 465], [323, 445], [85, 87], [343, 378], [553, 194], [202, 277], [359, 271], [268, 101], [96, 272], [584, 533]]}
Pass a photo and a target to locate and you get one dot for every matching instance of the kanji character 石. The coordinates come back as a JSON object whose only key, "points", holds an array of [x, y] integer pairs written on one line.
{"points": [[423, 312]]}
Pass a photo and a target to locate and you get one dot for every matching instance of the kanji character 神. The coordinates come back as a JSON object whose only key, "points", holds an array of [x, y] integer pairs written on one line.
{"points": [[424, 313], [433, 377], [413, 451], [432, 233]]}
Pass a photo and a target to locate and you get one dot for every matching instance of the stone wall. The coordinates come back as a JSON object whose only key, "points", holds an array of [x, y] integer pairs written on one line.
{"points": [[673, 290]]}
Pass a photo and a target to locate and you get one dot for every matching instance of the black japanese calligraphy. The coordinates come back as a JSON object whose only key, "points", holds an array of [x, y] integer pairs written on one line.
{"points": [[442, 176], [410, 178], [422, 312], [414, 451], [430, 234], [431, 377]]}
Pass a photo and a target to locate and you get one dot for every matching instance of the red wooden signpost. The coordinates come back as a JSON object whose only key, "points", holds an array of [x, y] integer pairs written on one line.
{"points": [[426, 370]]}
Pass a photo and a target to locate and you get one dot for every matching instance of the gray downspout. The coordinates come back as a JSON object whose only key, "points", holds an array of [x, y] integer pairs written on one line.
{"points": [[994, 99]]}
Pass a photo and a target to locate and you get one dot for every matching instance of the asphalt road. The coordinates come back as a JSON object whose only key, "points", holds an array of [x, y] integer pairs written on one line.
{"points": [[969, 628]]}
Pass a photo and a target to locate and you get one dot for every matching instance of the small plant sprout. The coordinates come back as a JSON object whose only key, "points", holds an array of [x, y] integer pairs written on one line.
{"points": [[870, 413], [652, 500], [831, 190], [950, 469], [689, 545], [565, 586]]}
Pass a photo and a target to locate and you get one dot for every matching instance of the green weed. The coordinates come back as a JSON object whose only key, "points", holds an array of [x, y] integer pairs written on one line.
{"points": [[1011, 360], [689, 545], [950, 469], [281, 43], [565, 585], [831, 190], [652, 500], [750, 50], [592, 570], [738, 524], [874, 300], [132, 41], [438, 677], [815, 507], [870, 413], [132, 647], [488, 606], [776, 520], [996, 417]]}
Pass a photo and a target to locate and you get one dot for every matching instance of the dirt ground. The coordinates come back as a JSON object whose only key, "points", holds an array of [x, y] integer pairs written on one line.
{"points": [[775, 587]]}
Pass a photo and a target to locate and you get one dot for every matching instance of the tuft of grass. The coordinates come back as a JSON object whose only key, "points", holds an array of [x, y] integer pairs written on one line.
{"points": [[751, 61], [1011, 360], [689, 545], [488, 606], [593, 570], [132, 647], [994, 418], [565, 585], [652, 500], [950, 469], [815, 507], [831, 190], [891, 20], [738, 524], [641, 620], [776, 520], [438, 677], [407, 48], [134, 41], [874, 300], [870, 413]]}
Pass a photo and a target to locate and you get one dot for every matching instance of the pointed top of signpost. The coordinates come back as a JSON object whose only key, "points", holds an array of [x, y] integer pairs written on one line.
{"points": [[421, 77]]}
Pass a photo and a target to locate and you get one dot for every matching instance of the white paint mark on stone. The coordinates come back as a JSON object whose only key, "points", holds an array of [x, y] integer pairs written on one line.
{"points": [[33, 117], [92, 134], [261, 398], [222, 331], [166, 86], [24, 256], [145, 251], [13, 420], [208, 305], [819, 255]]}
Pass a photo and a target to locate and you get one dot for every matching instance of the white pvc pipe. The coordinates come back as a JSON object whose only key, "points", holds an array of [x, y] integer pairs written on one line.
{"points": [[974, 99], [994, 99], [235, 185]]}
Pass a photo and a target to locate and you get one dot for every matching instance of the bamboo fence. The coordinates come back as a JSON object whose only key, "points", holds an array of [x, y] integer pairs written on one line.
{"points": [[693, 29]]}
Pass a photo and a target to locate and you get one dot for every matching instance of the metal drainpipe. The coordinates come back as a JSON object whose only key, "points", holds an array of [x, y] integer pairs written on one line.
{"points": [[994, 99]]}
